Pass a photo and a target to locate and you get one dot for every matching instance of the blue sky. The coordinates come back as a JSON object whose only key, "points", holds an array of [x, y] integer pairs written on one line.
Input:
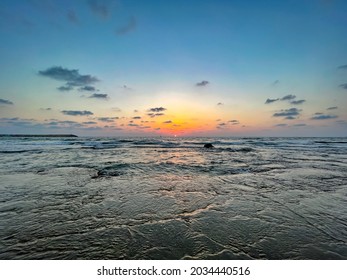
{"points": [[208, 64]]}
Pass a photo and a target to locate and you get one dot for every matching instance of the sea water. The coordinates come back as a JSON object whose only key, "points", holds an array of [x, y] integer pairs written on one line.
{"points": [[171, 198]]}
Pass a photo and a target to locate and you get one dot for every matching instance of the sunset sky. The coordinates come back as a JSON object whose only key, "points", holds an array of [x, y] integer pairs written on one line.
{"points": [[185, 68]]}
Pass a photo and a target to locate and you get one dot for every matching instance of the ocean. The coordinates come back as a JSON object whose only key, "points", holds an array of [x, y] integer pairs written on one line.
{"points": [[171, 198]]}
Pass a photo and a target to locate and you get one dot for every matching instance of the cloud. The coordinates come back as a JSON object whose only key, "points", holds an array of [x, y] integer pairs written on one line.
{"points": [[221, 125], [76, 113], [344, 67], [116, 109], [99, 96], [5, 102], [137, 118], [289, 114], [107, 119], [100, 8], [297, 102], [288, 97], [343, 86], [234, 121], [90, 122], [71, 77], [318, 113], [46, 109], [65, 88], [133, 124], [64, 123], [125, 87], [157, 109], [18, 121], [72, 17], [87, 88], [281, 124], [268, 101], [275, 83], [324, 117], [167, 122], [220, 104], [332, 108], [130, 26], [202, 83], [300, 124], [152, 115]]}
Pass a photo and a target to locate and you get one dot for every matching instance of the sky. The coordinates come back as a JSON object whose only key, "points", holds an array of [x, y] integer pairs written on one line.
{"points": [[173, 68]]}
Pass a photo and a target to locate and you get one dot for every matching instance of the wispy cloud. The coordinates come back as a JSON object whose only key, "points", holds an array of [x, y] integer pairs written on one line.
{"points": [[300, 124], [128, 27], [269, 100], [297, 102], [344, 67], [5, 102], [125, 87], [157, 109], [65, 88], [18, 121], [101, 8], [343, 86], [76, 113], [137, 118], [324, 117], [288, 97], [288, 113], [116, 109], [234, 122], [64, 123], [221, 125], [99, 96], [220, 104], [167, 122], [281, 124], [332, 108], [87, 88], [107, 119], [152, 115], [202, 83], [72, 17], [275, 83]]}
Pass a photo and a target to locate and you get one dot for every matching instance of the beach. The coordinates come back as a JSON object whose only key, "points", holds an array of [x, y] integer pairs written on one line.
{"points": [[171, 198]]}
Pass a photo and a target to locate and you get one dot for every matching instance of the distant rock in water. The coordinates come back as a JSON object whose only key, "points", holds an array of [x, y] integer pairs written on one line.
{"points": [[208, 145]]}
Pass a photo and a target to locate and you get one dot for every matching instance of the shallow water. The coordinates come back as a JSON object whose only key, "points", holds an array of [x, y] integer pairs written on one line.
{"points": [[141, 198]]}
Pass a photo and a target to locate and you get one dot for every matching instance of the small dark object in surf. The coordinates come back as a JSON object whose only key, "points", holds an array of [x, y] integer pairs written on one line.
{"points": [[208, 145], [102, 173]]}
